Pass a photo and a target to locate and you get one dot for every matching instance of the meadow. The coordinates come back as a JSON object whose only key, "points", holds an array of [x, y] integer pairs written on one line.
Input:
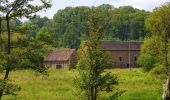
{"points": [[59, 85]]}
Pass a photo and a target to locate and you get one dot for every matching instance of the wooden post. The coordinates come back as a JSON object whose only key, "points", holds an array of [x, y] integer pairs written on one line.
{"points": [[129, 56], [166, 86]]}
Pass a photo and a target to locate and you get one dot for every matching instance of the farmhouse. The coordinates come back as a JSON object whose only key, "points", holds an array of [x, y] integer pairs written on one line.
{"points": [[61, 58], [123, 53]]}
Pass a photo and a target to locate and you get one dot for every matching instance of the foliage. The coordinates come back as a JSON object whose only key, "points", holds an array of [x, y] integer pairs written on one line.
{"points": [[151, 53], [146, 61], [155, 50], [46, 37], [27, 53], [70, 26], [3, 61], [31, 57], [12, 10], [128, 23], [9, 88], [33, 26], [158, 23], [159, 70], [91, 64], [15, 25]]}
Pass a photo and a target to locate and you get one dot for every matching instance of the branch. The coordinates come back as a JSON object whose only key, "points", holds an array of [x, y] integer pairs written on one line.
{"points": [[12, 8]]}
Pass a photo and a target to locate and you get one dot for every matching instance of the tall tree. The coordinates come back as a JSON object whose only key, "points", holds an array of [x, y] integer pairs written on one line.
{"points": [[159, 24], [91, 64], [17, 9], [151, 53]]}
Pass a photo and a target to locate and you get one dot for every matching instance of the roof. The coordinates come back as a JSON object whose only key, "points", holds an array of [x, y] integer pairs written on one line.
{"points": [[59, 55], [121, 45]]}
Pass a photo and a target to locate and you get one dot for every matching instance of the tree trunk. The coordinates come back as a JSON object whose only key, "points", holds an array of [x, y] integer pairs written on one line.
{"points": [[1, 93], [0, 32], [8, 52], [95, 92], [166, 51], [9, 48], [0, 26]]}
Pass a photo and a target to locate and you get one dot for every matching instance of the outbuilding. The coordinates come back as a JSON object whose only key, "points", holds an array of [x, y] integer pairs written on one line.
{"points": [[123, 53], [61, 58]]}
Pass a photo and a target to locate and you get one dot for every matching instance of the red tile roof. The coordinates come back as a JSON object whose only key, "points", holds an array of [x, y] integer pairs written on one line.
{"points": [[59, 55], [121, 45]]}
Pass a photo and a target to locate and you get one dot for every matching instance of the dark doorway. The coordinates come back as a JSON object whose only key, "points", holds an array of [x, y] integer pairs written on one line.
{"points": [[127, 65], [135, 58], [58, 66], [120, 58]]}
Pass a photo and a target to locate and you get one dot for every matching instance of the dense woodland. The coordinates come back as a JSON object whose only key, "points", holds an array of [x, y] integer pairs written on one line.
{"points": [[70, 26]]}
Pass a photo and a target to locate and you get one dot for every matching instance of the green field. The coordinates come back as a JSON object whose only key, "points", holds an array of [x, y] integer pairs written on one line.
{"points": [[59, 85]]}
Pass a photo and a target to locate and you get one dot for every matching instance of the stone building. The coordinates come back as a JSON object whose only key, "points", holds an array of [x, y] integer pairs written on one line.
{"points": [[61, 58], [123, 53], [120, 52]]}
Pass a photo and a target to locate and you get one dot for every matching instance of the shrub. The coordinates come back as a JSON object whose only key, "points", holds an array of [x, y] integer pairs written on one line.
{"points": [[159, 69], [146, 61]]}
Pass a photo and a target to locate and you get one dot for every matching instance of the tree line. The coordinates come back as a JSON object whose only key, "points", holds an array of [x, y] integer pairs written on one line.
{"points": [[70, 26]]}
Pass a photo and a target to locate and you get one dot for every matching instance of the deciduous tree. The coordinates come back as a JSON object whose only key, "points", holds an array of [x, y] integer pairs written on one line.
{"points": [[92, 61], [159, 24], [17, 9]]}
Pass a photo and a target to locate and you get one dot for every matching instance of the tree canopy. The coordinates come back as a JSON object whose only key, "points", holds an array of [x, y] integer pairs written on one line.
{"points": [[157, 46], [70, 26]]}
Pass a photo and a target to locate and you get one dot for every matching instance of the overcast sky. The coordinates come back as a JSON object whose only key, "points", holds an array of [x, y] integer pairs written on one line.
{"points": [[148, 5]]}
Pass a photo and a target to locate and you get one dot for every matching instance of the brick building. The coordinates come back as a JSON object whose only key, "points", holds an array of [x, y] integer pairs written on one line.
{"points": [[61, 58], [121, 51]]}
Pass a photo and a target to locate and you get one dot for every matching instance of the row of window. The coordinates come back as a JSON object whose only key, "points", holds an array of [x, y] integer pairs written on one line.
{"points": [[135, 58]]}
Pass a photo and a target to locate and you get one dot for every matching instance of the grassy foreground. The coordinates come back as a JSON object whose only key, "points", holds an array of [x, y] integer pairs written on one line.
{"points": [[59, 85]]}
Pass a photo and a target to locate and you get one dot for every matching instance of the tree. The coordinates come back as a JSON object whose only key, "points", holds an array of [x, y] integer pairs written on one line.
{"points": [[34, 25], [92, 61], [147, 62], [159, 24], [72, 24], [129, 23], [151, 53], [17, 9]]}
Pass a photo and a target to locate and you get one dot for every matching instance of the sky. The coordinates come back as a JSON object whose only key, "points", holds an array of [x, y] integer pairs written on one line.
{"points": [[147, 5]]}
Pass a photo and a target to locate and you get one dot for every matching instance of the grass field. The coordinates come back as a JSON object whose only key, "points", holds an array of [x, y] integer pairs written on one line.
{"points": [[59, 85]]}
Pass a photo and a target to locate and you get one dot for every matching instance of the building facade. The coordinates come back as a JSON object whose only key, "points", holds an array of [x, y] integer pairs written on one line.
{"points": [[123, 53], [61, 58]]}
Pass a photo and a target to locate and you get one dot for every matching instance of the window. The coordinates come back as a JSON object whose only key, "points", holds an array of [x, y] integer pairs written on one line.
{"points": [[120, 58], [127, 65], [58, 66], [135, 58]]}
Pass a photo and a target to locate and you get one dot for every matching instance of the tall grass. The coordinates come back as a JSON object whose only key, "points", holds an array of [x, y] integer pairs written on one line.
{"points": [[60, 86]]}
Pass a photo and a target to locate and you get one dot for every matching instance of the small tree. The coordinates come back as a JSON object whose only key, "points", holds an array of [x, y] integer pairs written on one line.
{"points": [[92, 61], [13, 9]]}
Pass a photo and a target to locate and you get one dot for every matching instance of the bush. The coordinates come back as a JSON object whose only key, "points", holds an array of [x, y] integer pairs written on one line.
{"points": [[146, 61], [159, 69]]}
